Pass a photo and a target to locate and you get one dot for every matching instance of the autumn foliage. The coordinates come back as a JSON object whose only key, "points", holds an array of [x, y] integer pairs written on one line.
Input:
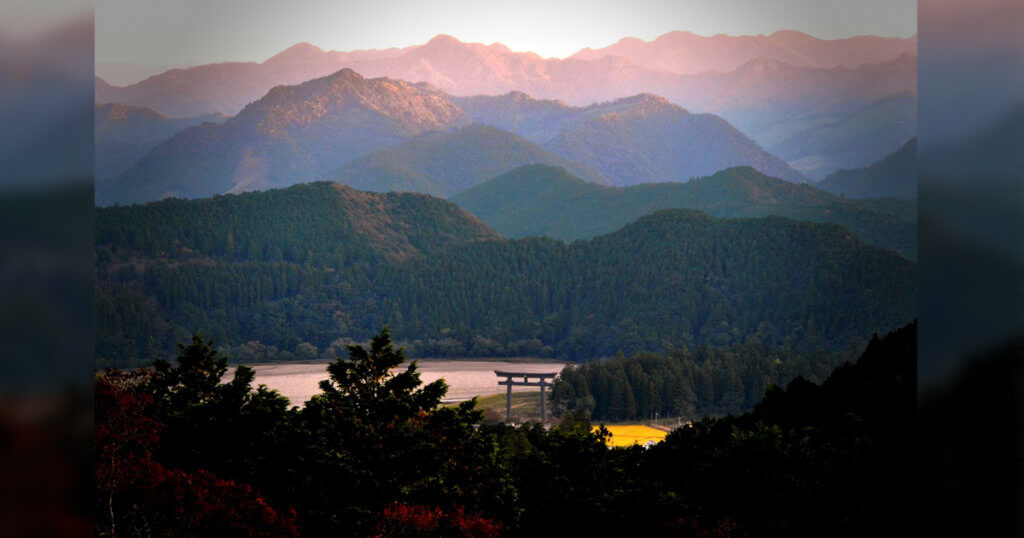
{"points": [[403, 520], [137, 496]]}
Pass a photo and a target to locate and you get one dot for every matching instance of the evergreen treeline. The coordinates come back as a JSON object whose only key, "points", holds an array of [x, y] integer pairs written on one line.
{"points": [[303, 272], [182, 453], [709, 381]]}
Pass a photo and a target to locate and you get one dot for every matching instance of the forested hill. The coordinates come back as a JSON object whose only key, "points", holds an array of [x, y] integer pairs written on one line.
{"points": [[537, 200], [323, 224], [300, 272]]}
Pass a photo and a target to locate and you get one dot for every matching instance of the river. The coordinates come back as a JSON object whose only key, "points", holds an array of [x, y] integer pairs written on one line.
{"points": [[298, 381]]}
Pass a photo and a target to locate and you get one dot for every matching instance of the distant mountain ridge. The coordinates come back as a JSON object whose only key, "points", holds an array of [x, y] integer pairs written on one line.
{"points": [[543, 200], [638, 139], [688, 53], [292, 134], [124, 134], [893, 177], [328, 128], [849, 140], [443, 164], [646, 139], [800, 112], [767, 97], [472, 68]]}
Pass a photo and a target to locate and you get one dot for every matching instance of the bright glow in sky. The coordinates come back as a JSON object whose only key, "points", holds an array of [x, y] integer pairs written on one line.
{"points": [[202, 31]]}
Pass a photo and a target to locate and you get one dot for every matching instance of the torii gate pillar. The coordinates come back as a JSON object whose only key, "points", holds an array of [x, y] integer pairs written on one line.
{"points": [[511, 378]]}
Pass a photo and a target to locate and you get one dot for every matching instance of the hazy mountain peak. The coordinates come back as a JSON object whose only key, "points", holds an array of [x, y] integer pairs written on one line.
{"points": [[292, 134], [517, 96], [121, 112], [645, 139], [763, 66], [789, 35], [675, 34], [643, 98], [286, 95], [332, 96], [643, 103], [630, 41], [442, 40], [298, 53], [687, 53], [345, 74]]}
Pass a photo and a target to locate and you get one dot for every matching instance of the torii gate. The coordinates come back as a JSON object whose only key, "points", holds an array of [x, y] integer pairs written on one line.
{"points": [[542, 381]]}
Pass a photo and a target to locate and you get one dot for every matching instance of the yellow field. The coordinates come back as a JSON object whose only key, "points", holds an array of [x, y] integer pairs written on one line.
{"points": [[628, 434]]}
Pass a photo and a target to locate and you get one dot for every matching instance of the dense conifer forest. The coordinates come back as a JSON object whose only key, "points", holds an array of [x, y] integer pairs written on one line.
{"points": [[708, 381], [302, 272]]}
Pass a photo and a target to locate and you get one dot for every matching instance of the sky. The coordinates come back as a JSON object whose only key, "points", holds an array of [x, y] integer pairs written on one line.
{"points": [[26, 19], [183, 32]]}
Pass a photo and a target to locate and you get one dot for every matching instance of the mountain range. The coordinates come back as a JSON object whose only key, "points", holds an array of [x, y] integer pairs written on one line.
{"points": [[638, 139], [443, 164], [474, 69], [767, 86], [687, 53], [787, 109], [821, 145], [383, 134], [292, 134], [646, 139], [124, 134], [540, 200]]}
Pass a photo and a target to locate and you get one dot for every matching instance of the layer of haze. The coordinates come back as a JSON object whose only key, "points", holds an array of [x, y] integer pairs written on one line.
{"points": [[201, 31]]}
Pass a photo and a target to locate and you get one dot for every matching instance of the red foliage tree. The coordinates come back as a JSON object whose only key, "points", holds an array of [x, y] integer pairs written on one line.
{"points": [[402, 520], [136, 496]]}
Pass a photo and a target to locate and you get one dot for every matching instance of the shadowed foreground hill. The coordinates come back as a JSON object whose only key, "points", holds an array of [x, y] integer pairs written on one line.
{"points": [[810, 460], [317, 223], [542, 200], [297, 273]]}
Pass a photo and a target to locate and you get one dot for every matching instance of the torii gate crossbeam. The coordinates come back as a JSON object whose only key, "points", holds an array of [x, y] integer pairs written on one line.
{"points": [[511, 379]]}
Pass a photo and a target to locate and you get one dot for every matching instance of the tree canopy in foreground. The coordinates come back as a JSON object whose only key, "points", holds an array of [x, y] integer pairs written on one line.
{"points": [[179, 452]]}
